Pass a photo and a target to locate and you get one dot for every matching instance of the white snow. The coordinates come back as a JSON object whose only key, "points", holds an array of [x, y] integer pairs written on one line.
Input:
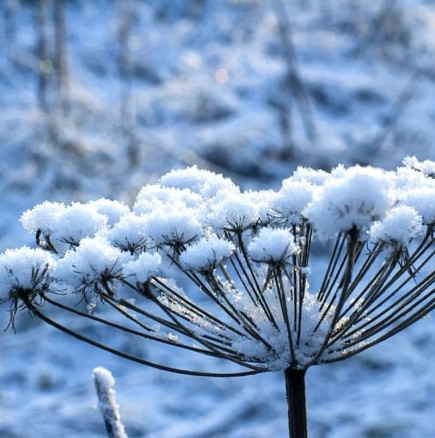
{"points": [[272, 245], [104, 383], [206, 254], [400, 225], [367, 74], [85, 266], [24, 268], [142, 268], [355, 199]]}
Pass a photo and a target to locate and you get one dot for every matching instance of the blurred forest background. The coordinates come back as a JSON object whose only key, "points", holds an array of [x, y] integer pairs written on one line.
{"points": [[99, 97]]}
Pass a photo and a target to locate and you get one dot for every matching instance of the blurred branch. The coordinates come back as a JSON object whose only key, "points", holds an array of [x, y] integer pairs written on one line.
{"points": [[60, 56], [43, 53], [125, 25], [293, 79]]}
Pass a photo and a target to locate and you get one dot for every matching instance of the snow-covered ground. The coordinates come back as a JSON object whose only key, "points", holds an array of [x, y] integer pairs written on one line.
{"points": [[212, 83]]}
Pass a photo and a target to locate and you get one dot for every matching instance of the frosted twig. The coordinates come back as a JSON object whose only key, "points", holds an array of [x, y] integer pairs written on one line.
{"points": [[104, 384]]}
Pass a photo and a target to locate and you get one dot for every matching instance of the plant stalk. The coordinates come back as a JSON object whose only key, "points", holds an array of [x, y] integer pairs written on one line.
{"points": [[296, 400]]}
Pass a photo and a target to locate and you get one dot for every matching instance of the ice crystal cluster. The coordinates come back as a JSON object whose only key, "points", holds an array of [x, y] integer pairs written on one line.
{"points": [[199, 264]]}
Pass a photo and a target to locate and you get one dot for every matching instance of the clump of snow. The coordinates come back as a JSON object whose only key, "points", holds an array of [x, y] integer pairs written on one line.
{"points": [[423, 200], [25, 269], [128, 234], [142, 268], [400, 225], [78, 221], [206, 254], [43, 217], [354, 200], [315, 177], [427, 166], [233, 211], [152, 197], [112, 209], [291, 200], [273, 245], [263, 199], [64, 224], [200, 181], [173, 227], [91, 262]]}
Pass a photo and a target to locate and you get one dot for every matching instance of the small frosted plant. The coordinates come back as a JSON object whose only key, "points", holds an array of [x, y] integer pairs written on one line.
{"points": [[104, 385], [197, 264]]}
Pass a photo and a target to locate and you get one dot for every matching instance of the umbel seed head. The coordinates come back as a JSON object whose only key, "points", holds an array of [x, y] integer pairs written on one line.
{"points": [[327, 266]]}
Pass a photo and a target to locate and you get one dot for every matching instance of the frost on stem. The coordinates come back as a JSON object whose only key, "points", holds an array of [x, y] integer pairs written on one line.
{"points": [[201, 265], [104, 384]]}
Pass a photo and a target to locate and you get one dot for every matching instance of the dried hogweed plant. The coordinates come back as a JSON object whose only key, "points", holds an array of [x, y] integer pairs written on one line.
{"points": [[197, 264]]}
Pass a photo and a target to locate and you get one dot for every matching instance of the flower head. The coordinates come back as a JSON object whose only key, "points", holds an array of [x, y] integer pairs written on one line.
{"points": [[353, 200], [204, 266], [25, 276]]}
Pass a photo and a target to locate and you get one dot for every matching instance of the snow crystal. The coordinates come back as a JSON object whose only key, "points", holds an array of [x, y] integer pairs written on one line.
{"points": [[356, 199], [206, 254], [400, 225], [22, 268], [313, 334], [142, 268], [272, 245]]}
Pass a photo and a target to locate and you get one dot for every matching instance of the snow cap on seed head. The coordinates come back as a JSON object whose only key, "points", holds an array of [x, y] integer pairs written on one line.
{"points": [[142, 268], [200, 181], [24, 268], [206, 254], [272, 245], [400, 225], [86, 265], [355, 199]]}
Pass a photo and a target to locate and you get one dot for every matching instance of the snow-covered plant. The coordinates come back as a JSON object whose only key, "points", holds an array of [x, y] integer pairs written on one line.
{"points": [[104, 385], [200, 265]]}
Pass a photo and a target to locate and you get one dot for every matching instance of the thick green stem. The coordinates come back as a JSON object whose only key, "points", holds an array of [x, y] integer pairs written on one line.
{"points": [[297, 411]]}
